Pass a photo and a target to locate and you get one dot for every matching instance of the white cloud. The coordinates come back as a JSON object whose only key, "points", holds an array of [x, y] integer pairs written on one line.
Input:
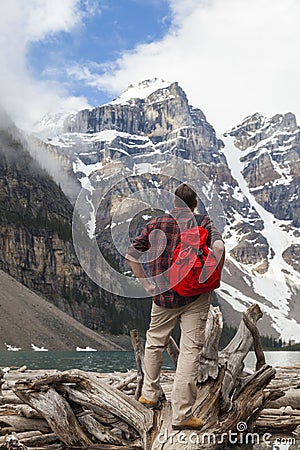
{"points": [[232, 58], [21, 23]]}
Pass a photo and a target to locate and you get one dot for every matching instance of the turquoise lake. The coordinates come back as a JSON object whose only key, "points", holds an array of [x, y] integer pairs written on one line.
{"points": [[113, 361]]}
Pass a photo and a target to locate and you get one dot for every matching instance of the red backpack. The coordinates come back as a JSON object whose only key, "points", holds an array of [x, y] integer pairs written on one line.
{"points": [[194, 269]]}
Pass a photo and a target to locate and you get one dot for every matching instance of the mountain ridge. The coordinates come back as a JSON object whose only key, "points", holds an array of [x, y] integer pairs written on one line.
{"points": [[260, 190]]}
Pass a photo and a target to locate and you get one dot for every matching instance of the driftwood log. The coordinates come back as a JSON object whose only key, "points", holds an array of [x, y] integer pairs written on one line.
{"points": [[54, 410]]}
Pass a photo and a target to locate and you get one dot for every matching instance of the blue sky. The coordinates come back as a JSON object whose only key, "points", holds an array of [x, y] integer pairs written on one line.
{"points": [[115, 27], [232, 57]]}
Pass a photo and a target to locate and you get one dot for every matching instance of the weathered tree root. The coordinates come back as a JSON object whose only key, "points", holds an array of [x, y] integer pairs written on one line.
{"points": [[82, 410]]}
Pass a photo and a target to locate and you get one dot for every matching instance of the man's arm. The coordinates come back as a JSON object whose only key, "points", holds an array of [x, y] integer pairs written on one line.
{"points": [[140, 244], [214, 240], [218, 249], [140, 274]]}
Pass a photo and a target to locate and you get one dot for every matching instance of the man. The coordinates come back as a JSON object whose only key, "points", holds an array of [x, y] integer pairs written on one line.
{"points": [[168, 306]]}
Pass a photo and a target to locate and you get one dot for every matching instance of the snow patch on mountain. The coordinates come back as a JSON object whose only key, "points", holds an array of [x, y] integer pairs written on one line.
{"points": [[141, 91], [52, 124], [288, 328], [65, 140], [273, 284]]}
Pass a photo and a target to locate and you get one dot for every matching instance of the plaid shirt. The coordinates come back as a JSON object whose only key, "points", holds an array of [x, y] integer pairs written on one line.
{"points": [[160, 245]]}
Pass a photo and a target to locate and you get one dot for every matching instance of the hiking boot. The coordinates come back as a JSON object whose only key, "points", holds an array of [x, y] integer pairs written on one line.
{"points": [[148, 403], [194, 423]]}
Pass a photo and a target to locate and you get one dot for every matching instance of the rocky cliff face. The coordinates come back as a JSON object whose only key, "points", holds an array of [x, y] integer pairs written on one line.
{"points": [[35, 240], [263, 154], [271, 159], [254, 169]]}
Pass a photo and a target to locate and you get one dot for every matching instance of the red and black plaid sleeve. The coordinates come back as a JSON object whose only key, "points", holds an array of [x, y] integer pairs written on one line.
{"points": [[139, 244]]}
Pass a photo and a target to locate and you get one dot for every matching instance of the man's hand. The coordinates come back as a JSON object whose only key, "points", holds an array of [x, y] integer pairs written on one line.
{"points": [[139, 272], [150, 288]]}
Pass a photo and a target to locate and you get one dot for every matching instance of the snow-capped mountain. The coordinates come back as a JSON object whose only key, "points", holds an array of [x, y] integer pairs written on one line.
{"points": [[254, 168], [142, 91], [263, 155], [271, 163]]}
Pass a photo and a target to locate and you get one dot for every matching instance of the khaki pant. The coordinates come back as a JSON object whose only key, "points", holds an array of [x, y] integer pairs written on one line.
{"points": [[192, 323]]}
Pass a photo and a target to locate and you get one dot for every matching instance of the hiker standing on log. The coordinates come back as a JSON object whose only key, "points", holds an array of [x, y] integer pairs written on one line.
{"points": [[155, 246]]}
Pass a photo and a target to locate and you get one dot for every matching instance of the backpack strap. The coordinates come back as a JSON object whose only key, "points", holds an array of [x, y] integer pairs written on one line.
{"points": [[199, 219], [200, 256], [190, 224]]}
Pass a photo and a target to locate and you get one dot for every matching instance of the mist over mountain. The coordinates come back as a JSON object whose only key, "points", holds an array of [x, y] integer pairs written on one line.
{"points": [[36, 246], [253, 170]]}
